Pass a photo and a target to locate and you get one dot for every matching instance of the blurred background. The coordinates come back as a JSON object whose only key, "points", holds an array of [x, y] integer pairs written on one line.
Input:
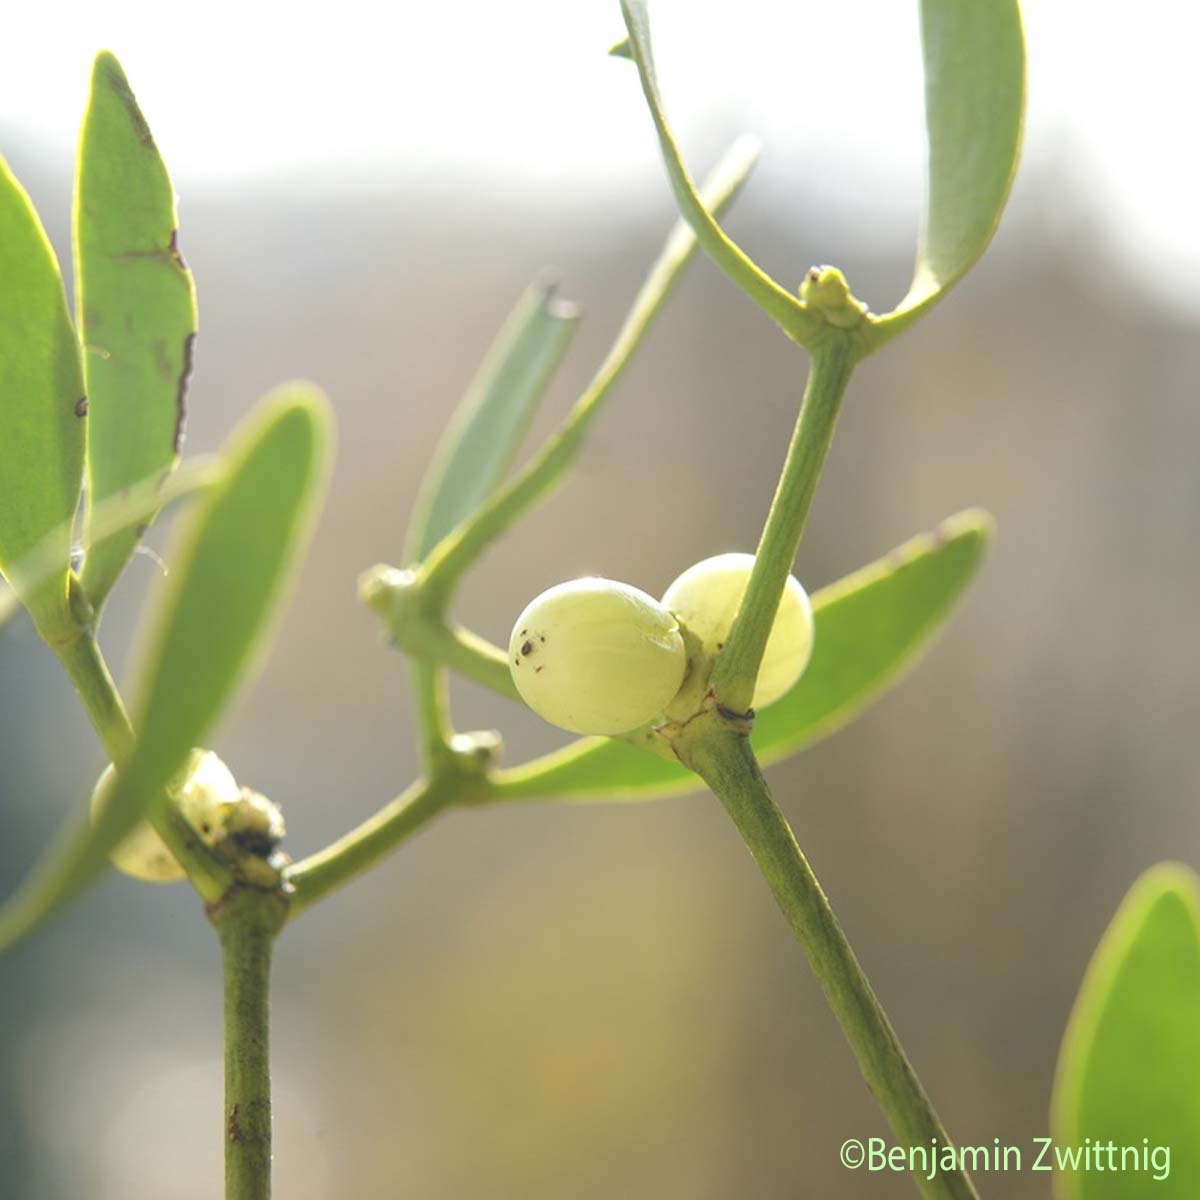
{"points": [[550, 1001]]}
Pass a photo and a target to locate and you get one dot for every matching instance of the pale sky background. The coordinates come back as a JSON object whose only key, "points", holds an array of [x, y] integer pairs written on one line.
{"points": [[526, 91]]}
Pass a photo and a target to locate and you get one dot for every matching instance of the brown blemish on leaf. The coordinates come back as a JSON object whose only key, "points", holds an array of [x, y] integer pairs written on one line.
{"points": [[233, 1129], [168, 255], [81, 406], [189, 344], [173, 250], [162, 359], [526, 648]]}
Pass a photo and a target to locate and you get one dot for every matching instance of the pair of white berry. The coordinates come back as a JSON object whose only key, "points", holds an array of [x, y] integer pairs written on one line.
{"points": [[596, 656]]}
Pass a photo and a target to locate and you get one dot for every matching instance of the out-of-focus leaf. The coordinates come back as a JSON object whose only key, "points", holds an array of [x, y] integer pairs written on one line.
{"points": [[1129, 1069], [974, 107], [478, 445], [231, 563], [42, 409], [446, 563], [869, 627], [772, 297], [136, 309], [132, 508], [233, 560]]}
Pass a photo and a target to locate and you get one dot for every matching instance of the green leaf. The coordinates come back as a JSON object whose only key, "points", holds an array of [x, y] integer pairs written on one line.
{"points": [[231, 563], [772, 297], [136, 309], [481, 440], [41, 409], [1129, 1069], [132, 508], [446, 563], [974, 108], [870, 626], [230, 568]]}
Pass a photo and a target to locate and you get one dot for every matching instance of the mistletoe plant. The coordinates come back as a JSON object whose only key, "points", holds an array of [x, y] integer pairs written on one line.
{"points": [[733, 669]]}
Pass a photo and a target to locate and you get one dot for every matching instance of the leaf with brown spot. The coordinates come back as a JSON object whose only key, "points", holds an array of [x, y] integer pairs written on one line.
{"points": [[137, 311]]}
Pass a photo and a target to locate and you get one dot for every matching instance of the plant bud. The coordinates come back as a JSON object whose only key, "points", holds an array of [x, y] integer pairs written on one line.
{"points": [[203, 791]]}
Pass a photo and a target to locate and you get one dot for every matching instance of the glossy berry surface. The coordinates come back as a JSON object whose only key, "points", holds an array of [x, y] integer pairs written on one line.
{"points": [[705, 599], [594, 656]]}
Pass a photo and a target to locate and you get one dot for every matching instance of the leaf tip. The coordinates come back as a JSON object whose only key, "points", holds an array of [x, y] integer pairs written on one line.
{"points": [[975, 523], [545, 291], [106, 67], [1169, 883], [1165, 896], [109, 76], [746, 150], [301, 401]]}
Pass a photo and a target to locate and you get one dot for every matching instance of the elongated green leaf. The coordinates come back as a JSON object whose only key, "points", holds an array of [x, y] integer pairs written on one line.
{"points": [[136, 308], [478, 445], [772, 297], [454, 554], [42, 410], [974, 108], [1129, 1070], [231, 563], [869, 627]]}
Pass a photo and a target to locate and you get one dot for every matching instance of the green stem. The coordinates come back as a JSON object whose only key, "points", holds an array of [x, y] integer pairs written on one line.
{"points": [[84, 663], [320, 873], [429, 689], [448, 560], [723, 757], [833, 360], [471, 656], [793, 316], [247, 923]]}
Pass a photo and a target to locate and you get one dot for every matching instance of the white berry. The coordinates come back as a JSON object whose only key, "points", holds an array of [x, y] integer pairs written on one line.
{"points": [[594, 656], [705, 598], [203, 791]]}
